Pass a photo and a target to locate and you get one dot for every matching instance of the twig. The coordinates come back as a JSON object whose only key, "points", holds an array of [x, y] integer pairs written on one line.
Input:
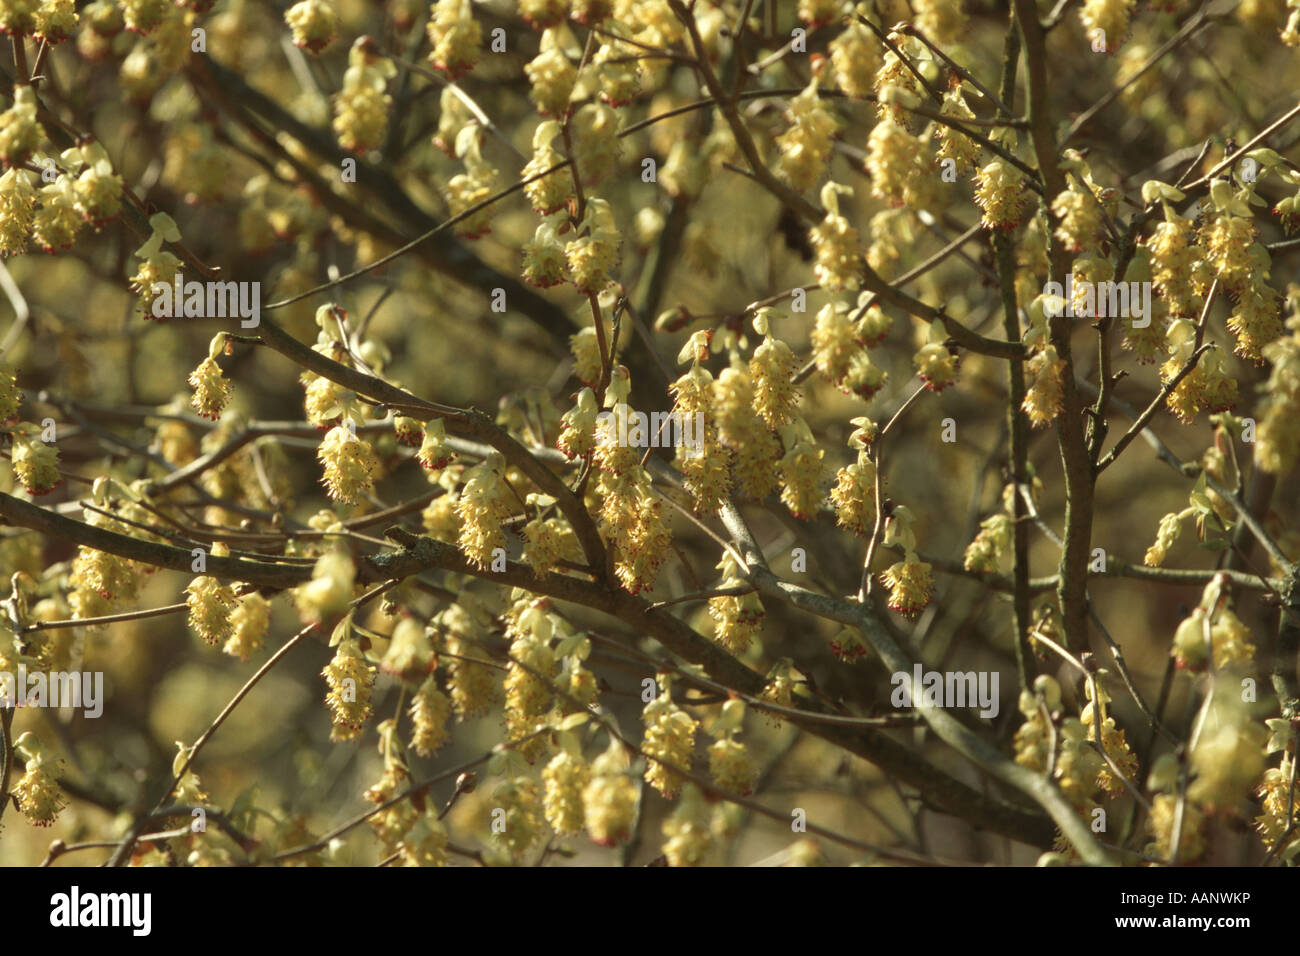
{"points": [[1149, 412], [864, 586], [1198, 20], [106, 619]]}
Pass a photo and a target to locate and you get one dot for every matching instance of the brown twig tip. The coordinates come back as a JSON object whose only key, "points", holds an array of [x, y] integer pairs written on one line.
{"points": [[401, 536]]}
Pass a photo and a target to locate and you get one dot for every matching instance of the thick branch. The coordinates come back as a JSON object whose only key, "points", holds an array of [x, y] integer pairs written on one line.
{"points": [[1078, 464]]}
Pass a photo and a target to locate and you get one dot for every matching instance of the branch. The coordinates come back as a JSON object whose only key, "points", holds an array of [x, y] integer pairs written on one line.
{"points": [[267, 574], [1149, 412], [948, 794], [1005, 258], [1071, 439], [464, 423], [449, 255], [962, 336], [945, 726], [1194, 24]]}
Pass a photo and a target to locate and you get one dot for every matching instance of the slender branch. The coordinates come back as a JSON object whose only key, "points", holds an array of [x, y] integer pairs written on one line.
{"points": [[107, 618], [1149, 412], [999, 101], [946, 727], [1250, 144], [263, 574], [1188, 30], [7, 756], [465, 423], [1117, 654], [1017, 423], [945, 792], [883, 37], [1091, 677], [864, 586]]}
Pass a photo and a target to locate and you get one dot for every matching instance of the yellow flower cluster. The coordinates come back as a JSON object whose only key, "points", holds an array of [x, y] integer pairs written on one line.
{"points": [[349, 464], [456, 37], [552, 76], [430, 712], [20, 132], [999, 192], [992, 541], [248, 625], [610, 798], [1046, 391], [361, 107], [910, 586], [737, 618], [210, 604], [314, 24], [806, 145], [351, 683], [689, 836], [565, 778], [590, 258], [669, 737], [529, 675], [854, 495], [836, 244], [855, 58], [800, 470], [482, 506], [548, 192], [37, 792], [1278, 434]]}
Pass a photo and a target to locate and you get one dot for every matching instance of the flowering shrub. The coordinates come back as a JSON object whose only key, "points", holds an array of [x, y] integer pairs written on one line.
{"points": [[915, 289]]}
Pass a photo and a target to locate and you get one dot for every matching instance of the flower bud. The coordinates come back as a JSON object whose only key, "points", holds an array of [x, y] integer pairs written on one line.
{"points": [[210, 605], [20, 133], [410, 651], [329, 592], [37, 792], [314, 24], [456, 36], [35, 463], [248, 625], [429, 712]]}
